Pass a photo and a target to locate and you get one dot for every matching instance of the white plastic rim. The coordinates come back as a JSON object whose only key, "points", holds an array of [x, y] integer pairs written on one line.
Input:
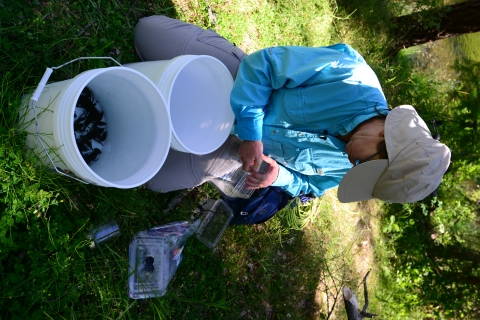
{"points": [[138, 127], [197, 91]]}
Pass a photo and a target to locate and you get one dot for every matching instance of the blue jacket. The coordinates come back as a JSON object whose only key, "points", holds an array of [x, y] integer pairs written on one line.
{"points": [[297, 100]]}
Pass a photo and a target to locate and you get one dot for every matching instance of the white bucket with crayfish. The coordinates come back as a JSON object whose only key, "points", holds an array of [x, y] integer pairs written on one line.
{"points": [[136, 116]]}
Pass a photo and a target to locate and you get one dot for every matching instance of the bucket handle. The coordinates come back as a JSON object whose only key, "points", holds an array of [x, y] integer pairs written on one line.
{"points": [[36, 96]]}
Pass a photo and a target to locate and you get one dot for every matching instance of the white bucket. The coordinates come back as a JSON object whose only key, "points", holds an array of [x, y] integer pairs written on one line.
{"points": [[138, 127], [197, 91]]}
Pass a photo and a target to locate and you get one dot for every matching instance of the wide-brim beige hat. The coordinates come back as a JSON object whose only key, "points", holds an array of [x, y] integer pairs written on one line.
{"points": [[414, 169]]}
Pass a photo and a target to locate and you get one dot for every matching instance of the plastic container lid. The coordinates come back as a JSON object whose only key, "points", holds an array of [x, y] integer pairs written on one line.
{"points": [[214, 224]]}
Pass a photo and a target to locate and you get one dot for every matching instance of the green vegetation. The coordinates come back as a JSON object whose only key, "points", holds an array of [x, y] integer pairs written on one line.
{"points": [[424, 257]]}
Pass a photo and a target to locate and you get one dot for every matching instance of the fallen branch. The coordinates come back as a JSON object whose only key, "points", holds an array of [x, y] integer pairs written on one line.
{"points": [[351, 303]]}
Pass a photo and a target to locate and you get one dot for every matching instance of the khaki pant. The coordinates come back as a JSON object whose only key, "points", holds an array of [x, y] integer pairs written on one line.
{"points": [[163, 38]]}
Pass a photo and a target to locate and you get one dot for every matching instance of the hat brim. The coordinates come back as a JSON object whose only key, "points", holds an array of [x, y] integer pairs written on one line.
{"points": [[359, 182]]}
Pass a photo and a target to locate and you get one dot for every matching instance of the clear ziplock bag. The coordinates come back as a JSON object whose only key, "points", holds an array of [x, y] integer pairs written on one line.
{"points": [[156, 253], [233, 183]]}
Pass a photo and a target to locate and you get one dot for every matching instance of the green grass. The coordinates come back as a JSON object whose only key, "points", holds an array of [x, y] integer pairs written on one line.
{"points": [[293, 267], [253, 25]]}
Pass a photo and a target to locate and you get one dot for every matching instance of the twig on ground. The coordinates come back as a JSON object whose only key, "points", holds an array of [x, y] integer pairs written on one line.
{"points": [[131, 7], [85, 28]]}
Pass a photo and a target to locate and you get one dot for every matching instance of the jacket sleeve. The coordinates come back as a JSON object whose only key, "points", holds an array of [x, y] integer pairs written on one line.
{"points": [[286, 67], [273, 68], [296, 183]]}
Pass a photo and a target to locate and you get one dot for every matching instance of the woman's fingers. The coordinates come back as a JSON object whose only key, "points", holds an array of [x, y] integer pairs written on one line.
{"points": [[251, 152], [262, 180]]}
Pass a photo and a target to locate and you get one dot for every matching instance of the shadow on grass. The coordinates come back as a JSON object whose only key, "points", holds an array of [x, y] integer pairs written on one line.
{"points": [[265, 271], [255, 272], [252, 275], [40, 34]]}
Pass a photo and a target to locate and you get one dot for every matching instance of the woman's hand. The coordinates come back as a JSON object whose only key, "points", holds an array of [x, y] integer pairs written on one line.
{"points": [[251, 154], [258, 180]]}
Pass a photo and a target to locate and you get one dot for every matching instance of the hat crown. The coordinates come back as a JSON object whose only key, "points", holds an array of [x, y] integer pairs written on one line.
{"points": [[417, 161]]}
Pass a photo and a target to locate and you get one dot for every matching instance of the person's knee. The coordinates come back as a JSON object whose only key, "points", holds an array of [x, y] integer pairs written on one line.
{"points": [[160, 37], [150, 21]]}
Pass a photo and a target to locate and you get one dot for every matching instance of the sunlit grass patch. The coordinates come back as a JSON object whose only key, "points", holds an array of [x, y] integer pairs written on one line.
{"points": [[345, 236], [256, 24]]}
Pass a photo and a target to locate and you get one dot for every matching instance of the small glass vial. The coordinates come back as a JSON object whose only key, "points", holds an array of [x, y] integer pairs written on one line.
{"points": [[103, 233]]}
